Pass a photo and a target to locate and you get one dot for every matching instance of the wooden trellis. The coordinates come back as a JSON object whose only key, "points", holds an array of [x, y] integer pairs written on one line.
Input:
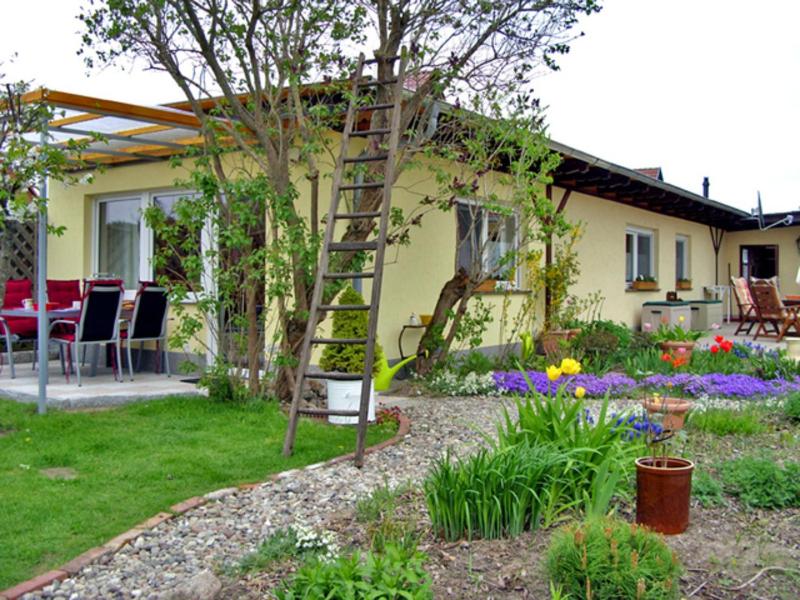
{"points": [[17, 251]]}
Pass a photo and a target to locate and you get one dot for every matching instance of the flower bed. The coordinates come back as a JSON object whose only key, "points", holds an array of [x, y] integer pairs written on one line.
{"points": [[712, 384]]}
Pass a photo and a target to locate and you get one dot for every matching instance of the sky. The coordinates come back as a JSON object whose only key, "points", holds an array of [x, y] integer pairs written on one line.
{"points": [[696, 87]]}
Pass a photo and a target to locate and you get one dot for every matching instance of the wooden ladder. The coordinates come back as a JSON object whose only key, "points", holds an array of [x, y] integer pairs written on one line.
{"points": [[390, 136]]}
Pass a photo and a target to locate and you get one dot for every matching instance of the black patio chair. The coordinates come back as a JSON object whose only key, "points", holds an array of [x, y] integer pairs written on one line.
{"points": [[98, 325], [148, 322]]}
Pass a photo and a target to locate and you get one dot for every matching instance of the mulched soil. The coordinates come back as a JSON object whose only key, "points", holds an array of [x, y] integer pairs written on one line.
{"points": [[722, 551]]}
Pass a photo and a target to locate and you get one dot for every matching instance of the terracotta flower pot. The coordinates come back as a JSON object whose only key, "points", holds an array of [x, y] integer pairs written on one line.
{"points": [[551, 340], [673, 409], [678, 348], [663, 489]]}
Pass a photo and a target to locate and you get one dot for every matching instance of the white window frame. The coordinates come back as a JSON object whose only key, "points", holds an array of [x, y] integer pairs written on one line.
{"points": [[637, 232], [685, 240], [146, 237], [485, 212]]}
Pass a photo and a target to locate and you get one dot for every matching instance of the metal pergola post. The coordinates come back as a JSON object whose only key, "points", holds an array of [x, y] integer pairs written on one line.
{"points": [[41, 286]]}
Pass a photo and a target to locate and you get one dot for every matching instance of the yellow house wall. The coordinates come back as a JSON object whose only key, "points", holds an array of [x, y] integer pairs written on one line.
{"points": [[70, 255], [414, 274], [602, 254], [788, 256]]}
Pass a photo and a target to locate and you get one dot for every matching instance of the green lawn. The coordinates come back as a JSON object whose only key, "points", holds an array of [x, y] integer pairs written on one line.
{"points": [[131, 463]]}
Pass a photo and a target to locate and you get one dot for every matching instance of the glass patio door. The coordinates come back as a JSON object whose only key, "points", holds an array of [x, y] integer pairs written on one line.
{"points": [[119, 239]]}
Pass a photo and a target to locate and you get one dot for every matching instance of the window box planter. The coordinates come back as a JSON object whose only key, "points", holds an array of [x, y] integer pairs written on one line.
{"points": [[684, 284], [487, 286], [643, 286]]}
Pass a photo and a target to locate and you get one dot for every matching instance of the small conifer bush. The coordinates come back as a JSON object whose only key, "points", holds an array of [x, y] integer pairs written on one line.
{"points": [[349, 358], [606, 559]]}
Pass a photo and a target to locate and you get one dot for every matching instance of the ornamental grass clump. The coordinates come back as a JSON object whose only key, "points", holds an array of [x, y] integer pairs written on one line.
{"points": [[493, 493], [605, 559], [601, 449]]}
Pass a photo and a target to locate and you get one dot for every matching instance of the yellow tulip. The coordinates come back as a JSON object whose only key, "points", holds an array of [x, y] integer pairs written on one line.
{"points": [[580, 392], [553, 373], [570, 366], [681, 319]]}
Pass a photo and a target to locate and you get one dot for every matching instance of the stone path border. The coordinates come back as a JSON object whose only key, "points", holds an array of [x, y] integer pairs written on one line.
{"points": [[117, 543]]}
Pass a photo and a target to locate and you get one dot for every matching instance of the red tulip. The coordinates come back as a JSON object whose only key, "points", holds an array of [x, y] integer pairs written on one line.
{"points": [[666, 357], [719, 339], [714, 349]]}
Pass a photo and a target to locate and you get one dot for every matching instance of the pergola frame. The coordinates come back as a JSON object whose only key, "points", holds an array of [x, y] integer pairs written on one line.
{"points": [[145, 122]]}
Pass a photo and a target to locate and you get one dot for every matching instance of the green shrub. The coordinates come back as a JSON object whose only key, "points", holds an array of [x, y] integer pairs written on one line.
{"points": [[761, 482], [491, 494], [604, 335], [349, 358], [641, 340], [726, 421], [224, 387], [474, 362], [707, 490], [610, 559], [791, 407], [599, 450], [599, 346], [394, 574]]}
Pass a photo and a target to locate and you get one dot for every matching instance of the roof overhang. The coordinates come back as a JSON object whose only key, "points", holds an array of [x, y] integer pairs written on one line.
{"points": [[117, 132], [582, 172]]}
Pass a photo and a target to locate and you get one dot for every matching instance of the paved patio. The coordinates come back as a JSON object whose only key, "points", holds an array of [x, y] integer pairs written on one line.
{"points": [[727, 329], [100, 390]]}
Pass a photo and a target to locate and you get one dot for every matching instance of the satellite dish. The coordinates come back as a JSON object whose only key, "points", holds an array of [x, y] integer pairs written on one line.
{"points": [[758, 214]]}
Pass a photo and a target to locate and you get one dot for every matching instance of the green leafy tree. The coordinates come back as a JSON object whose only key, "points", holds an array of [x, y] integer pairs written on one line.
{"points": [[24, 160], [259, 58]]}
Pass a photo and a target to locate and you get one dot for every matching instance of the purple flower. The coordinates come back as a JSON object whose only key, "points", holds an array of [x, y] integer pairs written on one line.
{"points": [[614, 384]]}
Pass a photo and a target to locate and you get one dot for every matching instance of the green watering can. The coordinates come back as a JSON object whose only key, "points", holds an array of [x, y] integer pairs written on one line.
{"points": [[526, 347], [385, 374]]}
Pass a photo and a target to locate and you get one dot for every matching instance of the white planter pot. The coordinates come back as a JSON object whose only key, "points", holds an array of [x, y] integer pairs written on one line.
{"points": [[346, 395]]}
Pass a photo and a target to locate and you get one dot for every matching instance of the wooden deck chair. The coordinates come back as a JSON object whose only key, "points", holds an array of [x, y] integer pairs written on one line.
{"points": [[770, 310], [744, 300]]}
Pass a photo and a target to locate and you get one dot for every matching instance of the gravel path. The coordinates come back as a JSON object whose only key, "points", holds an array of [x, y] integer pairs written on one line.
{"points": [[222, 531]]}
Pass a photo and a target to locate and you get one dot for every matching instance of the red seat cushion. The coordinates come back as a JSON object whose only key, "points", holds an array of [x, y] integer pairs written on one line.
{"points": [[16, 291], [24, 327], [63, 335], [63, 291]]}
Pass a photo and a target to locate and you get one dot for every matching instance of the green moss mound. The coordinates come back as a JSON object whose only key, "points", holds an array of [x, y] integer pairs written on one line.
{"points": [[349, 358]]}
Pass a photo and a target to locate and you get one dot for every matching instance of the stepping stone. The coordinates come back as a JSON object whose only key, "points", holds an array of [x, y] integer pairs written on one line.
{"points": [[65, 473]]}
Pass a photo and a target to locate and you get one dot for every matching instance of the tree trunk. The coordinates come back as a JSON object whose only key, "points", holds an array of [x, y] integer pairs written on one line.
{"points": [[432, 347]]}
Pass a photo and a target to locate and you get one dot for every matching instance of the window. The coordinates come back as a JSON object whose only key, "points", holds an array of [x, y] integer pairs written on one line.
{"points": [[119, 239], [639, 253], [174, 268], [486, 241], [682, 258], [124, 246]]}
